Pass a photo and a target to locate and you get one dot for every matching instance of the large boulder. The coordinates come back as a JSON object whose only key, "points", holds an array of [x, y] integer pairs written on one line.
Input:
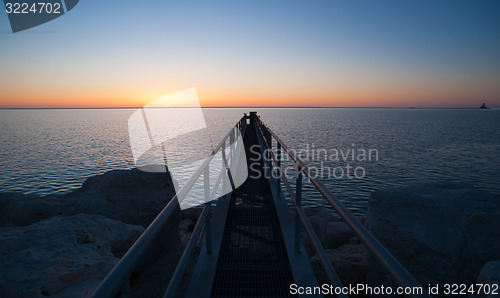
{"points": [[17, 209], [319, 220], [60, 243], [350, 262], [64, 256], [134, 197], [441, 232], [490, 275], [131, 196], [336, 234], [186, 227]]}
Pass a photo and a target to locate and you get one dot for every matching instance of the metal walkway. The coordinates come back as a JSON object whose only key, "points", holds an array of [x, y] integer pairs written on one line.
{"points": [[252, 245], [252, 260]]}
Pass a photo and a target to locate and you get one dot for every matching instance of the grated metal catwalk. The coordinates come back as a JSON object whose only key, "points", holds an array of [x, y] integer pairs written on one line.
{"points": [[253, 261]]}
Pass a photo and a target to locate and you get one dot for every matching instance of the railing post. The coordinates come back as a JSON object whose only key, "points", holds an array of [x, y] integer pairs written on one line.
{"points": [[270, 145], [278, 155], [232, 144], [208, 221], [298, 203], [268, 137], [224, 166], [278, 165], [223, 151]]}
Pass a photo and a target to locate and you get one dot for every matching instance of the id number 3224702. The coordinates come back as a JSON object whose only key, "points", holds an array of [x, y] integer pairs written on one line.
{"points": [[33, 8]]}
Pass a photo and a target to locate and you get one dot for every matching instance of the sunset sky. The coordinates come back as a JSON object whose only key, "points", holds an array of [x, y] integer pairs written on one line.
{"points": [[111, 53]]}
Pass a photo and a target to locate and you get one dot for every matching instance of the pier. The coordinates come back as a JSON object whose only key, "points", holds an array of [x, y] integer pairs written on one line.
{"points": [[251, 241]]}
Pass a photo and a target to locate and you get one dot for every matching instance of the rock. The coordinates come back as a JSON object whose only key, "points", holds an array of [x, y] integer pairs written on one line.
{"points": [[337, 234], [185, 229], [330, 230], [64, 256], [350, 262], [18, 209], [191, 213], [319, 220], [319, 225], [354, 240], [361, 219], [441, 232], [131, 196], [155, 279], [490, 274], [310, 211], [186, 225], [326, 214], [122, 196]]}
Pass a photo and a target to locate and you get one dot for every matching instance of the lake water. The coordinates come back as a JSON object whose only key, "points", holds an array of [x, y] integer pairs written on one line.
{"points": [[54, 151]]}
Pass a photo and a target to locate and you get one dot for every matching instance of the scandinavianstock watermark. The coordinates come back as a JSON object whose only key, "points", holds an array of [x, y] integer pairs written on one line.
{"points": [[323, 163]]}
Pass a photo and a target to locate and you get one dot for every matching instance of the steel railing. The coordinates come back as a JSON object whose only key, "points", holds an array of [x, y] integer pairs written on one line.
{"points": [[119, 275], [296, 197], [401, 276]]}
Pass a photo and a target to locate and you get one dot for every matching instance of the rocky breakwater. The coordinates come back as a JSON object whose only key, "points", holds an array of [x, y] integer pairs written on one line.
{"points": [[443, 233], [346, 253], [64, 245]]}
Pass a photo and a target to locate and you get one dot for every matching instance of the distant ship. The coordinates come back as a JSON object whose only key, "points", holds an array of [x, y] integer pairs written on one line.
{"points": [[483, 106]]}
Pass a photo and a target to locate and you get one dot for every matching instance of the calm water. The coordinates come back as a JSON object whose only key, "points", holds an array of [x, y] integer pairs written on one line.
{"points": [[54, 151]]}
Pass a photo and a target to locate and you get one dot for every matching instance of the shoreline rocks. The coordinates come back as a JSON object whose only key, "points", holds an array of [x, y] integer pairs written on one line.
{"points": [[64, 245], [58, 253], [131, 196], [490, 274], [440, 232], [348, 256]]}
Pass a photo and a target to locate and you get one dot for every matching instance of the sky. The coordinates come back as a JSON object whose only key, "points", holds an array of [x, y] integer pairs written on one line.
{"points": [[402, 53]]}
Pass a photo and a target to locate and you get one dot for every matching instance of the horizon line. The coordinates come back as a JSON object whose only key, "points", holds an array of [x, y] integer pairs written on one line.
{"points": [[242, 107]]}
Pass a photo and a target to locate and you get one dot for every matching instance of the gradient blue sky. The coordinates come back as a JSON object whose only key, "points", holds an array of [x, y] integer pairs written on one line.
{"points": [[244, 53]]}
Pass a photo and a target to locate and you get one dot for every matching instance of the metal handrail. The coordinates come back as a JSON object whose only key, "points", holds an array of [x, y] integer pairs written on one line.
{"points": [[188, 250], [379, 252], [117, 277], [331, 275]]}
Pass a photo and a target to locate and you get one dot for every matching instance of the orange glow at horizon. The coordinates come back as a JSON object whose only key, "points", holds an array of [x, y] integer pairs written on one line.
{"points": [[212, 98]]}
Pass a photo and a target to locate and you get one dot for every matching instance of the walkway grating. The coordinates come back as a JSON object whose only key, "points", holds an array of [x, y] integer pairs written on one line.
{"points": [[253, 261]]}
